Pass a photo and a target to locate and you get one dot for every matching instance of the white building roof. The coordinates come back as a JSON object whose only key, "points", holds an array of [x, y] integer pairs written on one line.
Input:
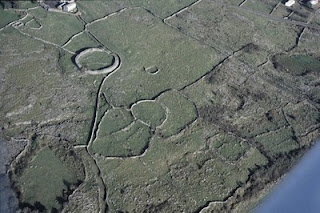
{"points": [[70, 7], [290, 3]]}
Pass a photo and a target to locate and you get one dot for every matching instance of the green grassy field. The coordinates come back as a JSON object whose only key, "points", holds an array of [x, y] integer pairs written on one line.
{"points": [[280, 141], [163, 8], [35, 68], [259, 6], [297, 64], [97, 60], [134, 36], [45, 179], [149, 112], [34, 24], [127, 142], [229, 29], [254, 125], [181, 112], [175, 129], [229, 147], [302, 115], [92, 10], [178, 173], [115, 120], [83, 41], [8, 16], [53, 29]]}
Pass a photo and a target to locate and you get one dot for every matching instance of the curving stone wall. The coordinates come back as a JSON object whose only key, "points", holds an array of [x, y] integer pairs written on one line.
{"points": [[116, 63]]}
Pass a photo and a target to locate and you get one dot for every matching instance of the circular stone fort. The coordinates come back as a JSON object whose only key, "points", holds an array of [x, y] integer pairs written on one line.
{"points": [[105, 69]]}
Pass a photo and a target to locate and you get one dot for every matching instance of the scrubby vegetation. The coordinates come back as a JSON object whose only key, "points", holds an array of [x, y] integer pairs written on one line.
{"points": [[211, 102], [51, 171], [297, 64]]}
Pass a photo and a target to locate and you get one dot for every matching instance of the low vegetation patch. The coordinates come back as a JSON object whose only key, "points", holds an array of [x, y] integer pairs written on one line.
{"points": [[49, 176], [181, 112], [97, 60], [114, 120], [130, 141], [143, 41], [229, 147], [82, 41], [280, 141], [298, 65], [8, 16], [229, 29], [149, 112], [56, 27]]}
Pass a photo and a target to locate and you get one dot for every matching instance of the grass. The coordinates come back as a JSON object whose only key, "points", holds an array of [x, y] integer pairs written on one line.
{"points": [[38, 79], [179, 173], [82, 41], [169, 176], [310, 42], [97, 60], [280, 141], [181, 113], [92, 10], [114, 120], [128, 142], [253, 54], [297, 64], [301, 116], [251, 126], [7, 16], [163, 8], [235, 2], [149, 112], [281, 12], [229, 147], [229, 29], [45, 179], [259, 6], [25, 4], [34, 24], [56, 28], [142, 40]]}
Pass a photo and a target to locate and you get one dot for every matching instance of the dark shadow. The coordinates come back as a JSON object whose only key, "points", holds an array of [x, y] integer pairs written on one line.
{"points": [[37, 206]]}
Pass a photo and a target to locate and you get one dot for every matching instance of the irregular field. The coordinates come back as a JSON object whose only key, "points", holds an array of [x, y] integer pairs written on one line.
{"points": [[297, 64], [134, 35], [7, 16], [114, 120], [163, 8], [53, 30], [261, 6], [94, 10], [208, 108], [149, 112], [229, 29], [180, 113], [80, 42], [176, 174], [47, 176], [128, 142]]}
